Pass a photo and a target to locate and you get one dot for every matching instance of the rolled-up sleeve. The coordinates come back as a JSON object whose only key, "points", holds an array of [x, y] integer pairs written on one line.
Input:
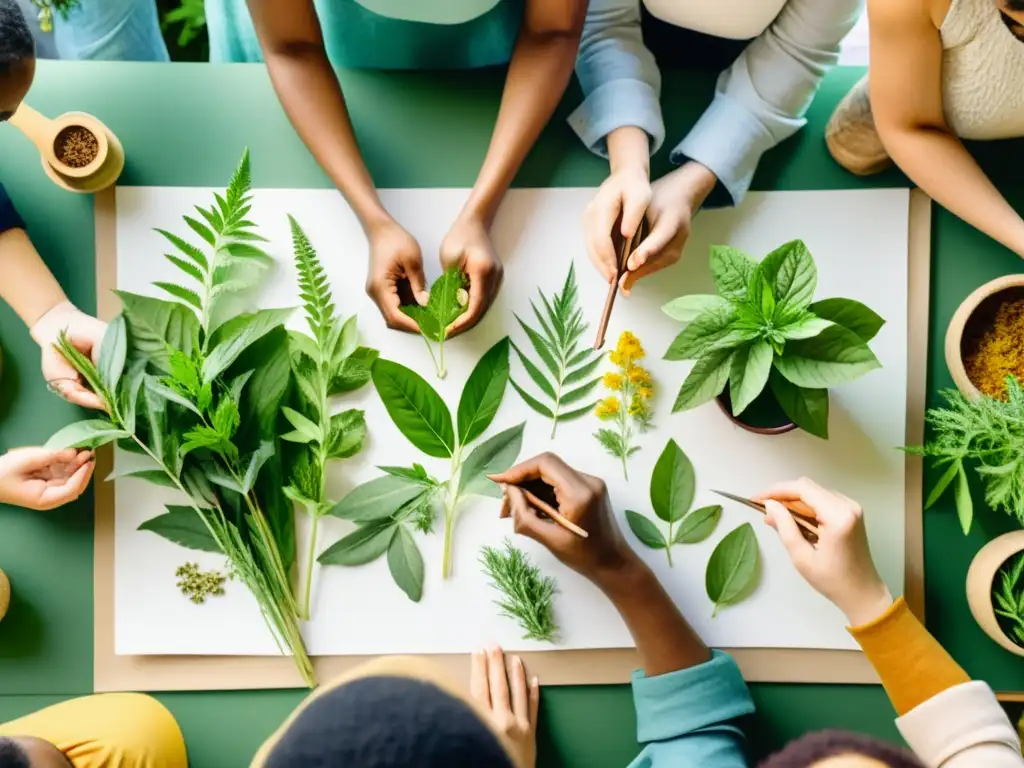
{"points": [[762, 98], [618, 75], [690, 717], [9, 218]]}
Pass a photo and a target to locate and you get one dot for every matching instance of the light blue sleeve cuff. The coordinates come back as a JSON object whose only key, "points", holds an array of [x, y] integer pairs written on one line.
{"points": [[729, 141], [677, 703], [616, 104]]}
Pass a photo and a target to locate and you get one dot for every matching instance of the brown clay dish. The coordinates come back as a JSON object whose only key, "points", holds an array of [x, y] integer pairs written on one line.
{"points": [[980, 579]]}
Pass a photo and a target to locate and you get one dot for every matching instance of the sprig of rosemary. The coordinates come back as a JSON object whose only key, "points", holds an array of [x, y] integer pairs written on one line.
{"points": [[1009, 597], [527, 595]]}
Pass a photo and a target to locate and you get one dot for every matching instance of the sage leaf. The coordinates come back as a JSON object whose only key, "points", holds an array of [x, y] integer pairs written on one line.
{"points": [[698, 525], [494, 455], [805, 407], [852, 315], [232, 338], [113, 352], [646, 531], [731, 270], [790, 271], [416, 409], [964, 504], [154, 476], [701, 335], [184, 527], [157, 327], [303, 426], [348, 433], [362, 546], [705, 381], [686, 309], [733, 567], [953, 470], [483, 392], [833, 357], [672, 484], [377, 499], [90, 434], [406, 564], [748, 376], [255, 464]]}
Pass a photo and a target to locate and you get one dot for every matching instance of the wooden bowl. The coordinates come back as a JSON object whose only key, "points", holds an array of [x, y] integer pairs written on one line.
{"points": [[955, 331], [980, 578]]}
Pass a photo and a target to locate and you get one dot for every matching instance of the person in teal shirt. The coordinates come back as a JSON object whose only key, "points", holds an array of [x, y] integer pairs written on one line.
{"points": [[300, 41]]}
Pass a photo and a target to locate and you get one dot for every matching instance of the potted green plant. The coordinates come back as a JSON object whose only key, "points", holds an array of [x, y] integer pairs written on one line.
{"points": [[764, 336], [995, 590]]}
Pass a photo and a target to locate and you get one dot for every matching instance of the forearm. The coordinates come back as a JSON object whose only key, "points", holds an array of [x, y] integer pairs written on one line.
{"points": [[629, 146], [537, 77], [665, 641], [937, 162], [28, 286]]}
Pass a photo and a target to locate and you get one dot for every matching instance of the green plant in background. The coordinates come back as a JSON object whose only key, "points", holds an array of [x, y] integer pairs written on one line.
{"points": [[672, 489], [570, 378], [191, 16], [385, 507], [762, 330], [1008, 598], [201, 400], [987, 432], [47, 7], [733, 568], [527, 595], [316, 361], [448, 300]]}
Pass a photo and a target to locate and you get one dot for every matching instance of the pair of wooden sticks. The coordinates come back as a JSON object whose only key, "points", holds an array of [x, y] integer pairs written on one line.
{"points": [[623, 247]]}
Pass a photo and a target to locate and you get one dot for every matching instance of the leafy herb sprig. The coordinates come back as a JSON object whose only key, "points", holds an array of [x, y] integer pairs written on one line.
{"points": [[448, 300], [527, 595], [762, 329], [628, 408], [1009, 597], [570, 378], [733, 569], [672, 489], [384, 507]]}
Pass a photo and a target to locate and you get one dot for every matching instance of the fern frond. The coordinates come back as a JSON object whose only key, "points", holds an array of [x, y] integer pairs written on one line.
{"points": [[313, 288], [527, 595]]}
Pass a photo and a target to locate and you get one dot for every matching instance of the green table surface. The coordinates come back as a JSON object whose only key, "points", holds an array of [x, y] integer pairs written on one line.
{"points": [[185, 125]]}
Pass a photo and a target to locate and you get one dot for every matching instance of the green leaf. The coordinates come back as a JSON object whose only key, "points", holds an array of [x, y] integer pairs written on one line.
{"points": [[672, 484], [183, 294], [953, 470], [444, 302], [406, 564], [833, 357], [416, 473], [686, 309], [805, 407], [733, 567], [705, 381], [154, 476], [311, 506], [303, 426], [581, 373], [731, 270], [536, 374], [226, 418], [612, 442], [348, 432], [572, 415], [964, 505], [268, 359], [698, 525], [184, 527], [130, 387], [221, 479], [113, 351], [256, 461], [189, 269], [540, 346], [362, 546], [852, 315], [646, 531], [416, 409], [160, 389], [482, 394], [90, 434], [531, 401], [427, 323], [200, 230], [157, 327], [378, 499], [749, 374], [354, 371], [347, 342], [790, 271], [187, 249], [494, 455], [805, 326], [232, 338], [700, 336]]}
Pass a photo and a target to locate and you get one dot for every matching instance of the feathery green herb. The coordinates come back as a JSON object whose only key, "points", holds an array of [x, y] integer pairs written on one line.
{"points": [[527, 595], [448, 300], [570, 377], [1008, 598]]}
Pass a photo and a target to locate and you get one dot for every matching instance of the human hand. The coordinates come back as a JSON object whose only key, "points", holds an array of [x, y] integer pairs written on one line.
{"points": [[86, 334], [839, 566], [394, 257], [582, 499], [675, 198], [468, 246], [626, 191], [39, 478], [514, 713]]}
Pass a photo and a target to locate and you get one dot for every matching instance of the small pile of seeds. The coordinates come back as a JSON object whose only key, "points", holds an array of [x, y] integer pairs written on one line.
{"points": [[76, 146], [197, 585]]}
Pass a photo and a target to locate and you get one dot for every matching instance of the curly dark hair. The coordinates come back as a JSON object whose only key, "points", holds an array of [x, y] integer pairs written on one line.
{"points": [[12, 755], [815, 747], [16, 43]]}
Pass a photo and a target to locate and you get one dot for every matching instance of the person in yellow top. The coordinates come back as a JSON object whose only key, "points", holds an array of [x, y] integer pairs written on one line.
{"points": [[109, 730]]}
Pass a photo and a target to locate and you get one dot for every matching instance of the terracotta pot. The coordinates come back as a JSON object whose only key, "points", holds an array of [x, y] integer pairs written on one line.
{"points": [[5, 594], [980, 578], [955, 331], [726, 405]]}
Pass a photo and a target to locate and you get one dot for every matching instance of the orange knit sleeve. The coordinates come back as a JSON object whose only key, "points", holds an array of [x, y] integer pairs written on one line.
{"points": [[912, 665]]}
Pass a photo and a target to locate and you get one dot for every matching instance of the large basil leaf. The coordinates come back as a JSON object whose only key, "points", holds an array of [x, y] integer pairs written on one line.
{"points": [[850, 314], [749, 374], [91, 434], [807, 408], [496, 454], [733, 567], [706, 380], [698, 525], [685, 309], [672, 484], [483, 392], [157, 327], [233, 337], [833, 357], [363, 545], [731, 270], [378, 499], [707, 329], [184, 527], [805, 325], [416, 409], [113, 352], [646, 531], [406, 564], [790, 271]]}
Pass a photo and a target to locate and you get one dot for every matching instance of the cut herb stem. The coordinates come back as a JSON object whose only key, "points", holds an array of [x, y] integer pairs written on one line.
{"points": [[450, 507], [307, 587]]}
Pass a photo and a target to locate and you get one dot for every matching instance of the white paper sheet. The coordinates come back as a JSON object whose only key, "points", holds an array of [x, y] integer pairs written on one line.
{"points": [[859, 241]]}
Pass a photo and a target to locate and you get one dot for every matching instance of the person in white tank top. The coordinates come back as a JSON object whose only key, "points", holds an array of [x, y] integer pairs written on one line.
{"points": [[940, 71]]}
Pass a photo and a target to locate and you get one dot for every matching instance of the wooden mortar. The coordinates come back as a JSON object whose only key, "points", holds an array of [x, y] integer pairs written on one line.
{"points": [[955, 331], [980, 578], [100, 173]]}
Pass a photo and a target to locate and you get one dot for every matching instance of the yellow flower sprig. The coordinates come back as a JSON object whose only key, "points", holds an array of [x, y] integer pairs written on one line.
{"points": [[629, 407]]}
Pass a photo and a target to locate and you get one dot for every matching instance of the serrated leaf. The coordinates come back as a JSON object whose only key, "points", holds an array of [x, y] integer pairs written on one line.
{"points": [[154, 476], [415, 408], [698, 525], [791, 273], [156, 327], [256, 461], [162, 390], [731, 270], [406, 564], [701, 335], [852, 315], [201, 230], [672, 484], [833, 357], [575, 395], [573, 415], [705, 381], [645, 531], [805, 407], [187, 267], [685, 309], [187, 249], [483, 392], [183, 294], [362, 546], [354, 371], [415, 473], [348, 433], [494, 455]]}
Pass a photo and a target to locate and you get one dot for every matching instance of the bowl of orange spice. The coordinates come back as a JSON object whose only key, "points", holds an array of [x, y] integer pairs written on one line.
{"points": [[985, 338]]}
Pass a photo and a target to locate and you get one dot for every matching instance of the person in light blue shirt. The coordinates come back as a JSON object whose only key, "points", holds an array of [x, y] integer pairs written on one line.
{"points": [[759, 101], [110, 30]]}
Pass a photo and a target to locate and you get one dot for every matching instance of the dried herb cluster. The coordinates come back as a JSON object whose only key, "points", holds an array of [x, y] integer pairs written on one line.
{"points": [[527, 595], [198, 585]]}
